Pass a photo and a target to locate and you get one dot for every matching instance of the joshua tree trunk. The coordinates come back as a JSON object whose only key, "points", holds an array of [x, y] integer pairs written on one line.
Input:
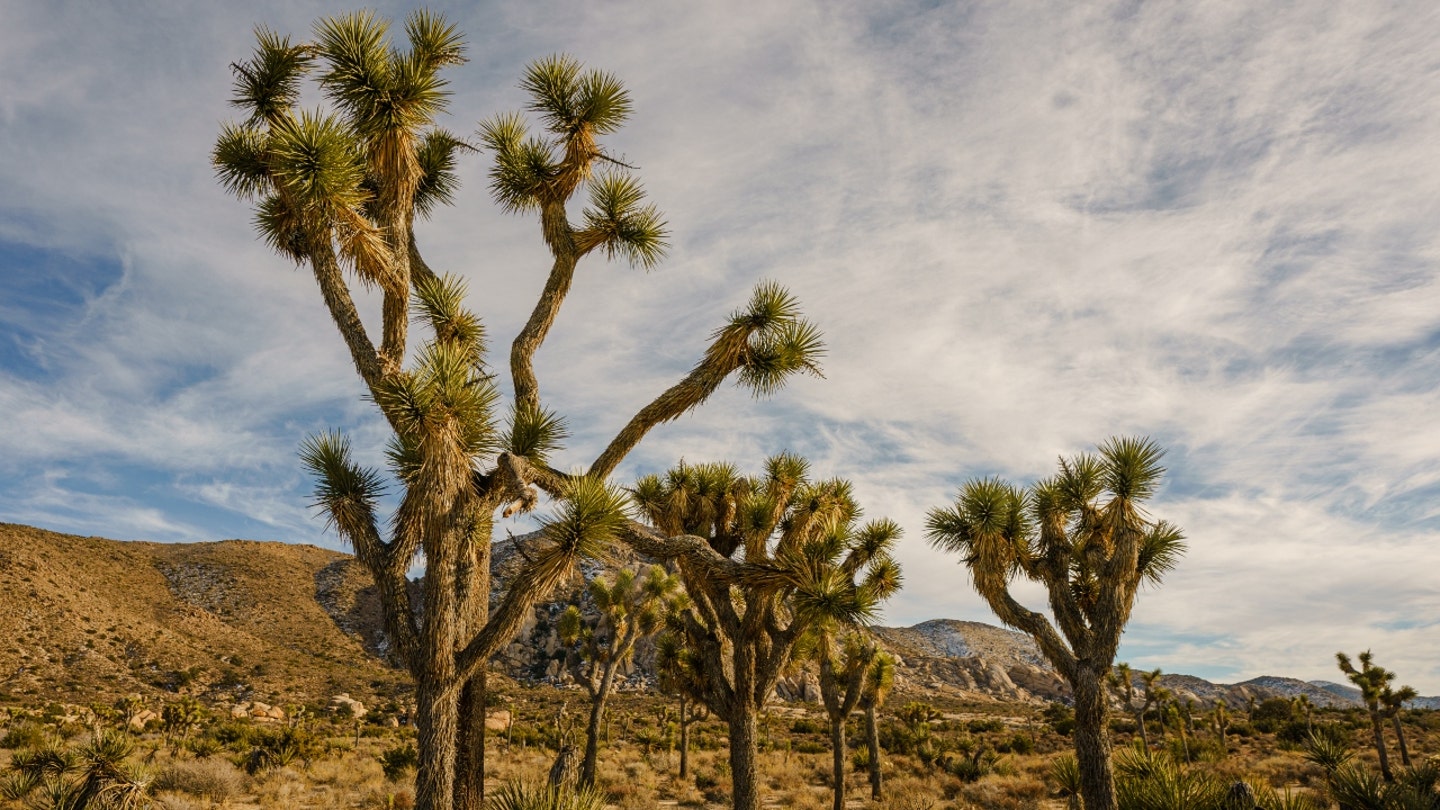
{"points": [[436, 727], [1379, 729], [1092, 741], [592, 732], [872, 742], [470, 752], [1400, 738], [1140, 725], [744, 793], [685, 716], [837, 744]]}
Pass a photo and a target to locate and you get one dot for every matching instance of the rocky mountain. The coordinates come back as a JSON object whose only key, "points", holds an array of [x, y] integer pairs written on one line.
{"points": [[84, 619]]}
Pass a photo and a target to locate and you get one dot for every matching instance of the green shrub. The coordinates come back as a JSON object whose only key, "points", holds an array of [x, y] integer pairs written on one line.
{"points": [[24, 735], [985, 726], [398, 760]]}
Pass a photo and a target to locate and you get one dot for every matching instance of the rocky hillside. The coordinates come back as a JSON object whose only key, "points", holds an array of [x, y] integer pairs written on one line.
{"points": [[89, 619]]}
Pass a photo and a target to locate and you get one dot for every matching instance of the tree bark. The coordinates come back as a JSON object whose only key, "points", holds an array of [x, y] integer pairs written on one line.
{"points": [[742, 720], [685, 715], [1092, 741], [1400, 738], [470, 751], [837, 761], [1379, 729], [436, 727], [872, 741]]}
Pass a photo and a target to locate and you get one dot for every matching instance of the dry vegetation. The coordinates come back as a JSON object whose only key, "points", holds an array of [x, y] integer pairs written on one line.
{"points": [[970, 756]]}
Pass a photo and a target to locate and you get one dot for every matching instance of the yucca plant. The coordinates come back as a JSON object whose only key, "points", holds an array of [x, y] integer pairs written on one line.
{"points": [[1154, 780], [764, 559], [1065, 772], [338, 189], [542, 796], [1328, 746], [1082, 534]]}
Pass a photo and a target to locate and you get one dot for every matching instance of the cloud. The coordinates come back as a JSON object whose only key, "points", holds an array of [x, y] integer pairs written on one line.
{"points": [[1023, 229]]}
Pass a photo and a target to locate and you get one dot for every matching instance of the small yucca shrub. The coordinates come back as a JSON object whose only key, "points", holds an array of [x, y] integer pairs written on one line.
{"points": [[527, 796]]}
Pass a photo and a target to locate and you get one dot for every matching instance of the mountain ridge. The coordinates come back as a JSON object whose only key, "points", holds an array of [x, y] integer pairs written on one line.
{"points": [[92, 618]]}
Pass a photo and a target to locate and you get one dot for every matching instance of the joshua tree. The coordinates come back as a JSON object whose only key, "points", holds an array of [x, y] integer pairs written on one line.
{"points": [[763, 560], [1305, 706], [1220, 718], [679, 671], [879, 680], [338, 190], [1373, 682], [628, 610], [180, 719], [1083, 535], [1122, 681], [845, 669], [1393, 700]]}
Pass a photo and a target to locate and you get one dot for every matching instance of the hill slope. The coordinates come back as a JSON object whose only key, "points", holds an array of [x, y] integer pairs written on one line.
{"points": [[91, 619]]}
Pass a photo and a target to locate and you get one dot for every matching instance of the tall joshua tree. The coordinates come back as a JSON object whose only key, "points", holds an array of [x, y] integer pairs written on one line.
{"points": [[628, 609], [1372, 682], [764, 560], [338, 190], [879, 680], [1082, 534]]}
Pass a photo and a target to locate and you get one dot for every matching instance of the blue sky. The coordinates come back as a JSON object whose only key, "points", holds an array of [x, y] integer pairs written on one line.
{"points": [[1024, 227]]}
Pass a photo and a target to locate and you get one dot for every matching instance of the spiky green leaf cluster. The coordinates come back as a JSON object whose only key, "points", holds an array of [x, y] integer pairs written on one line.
{"points": [[588, 519], [536, 433], [781, 342]]}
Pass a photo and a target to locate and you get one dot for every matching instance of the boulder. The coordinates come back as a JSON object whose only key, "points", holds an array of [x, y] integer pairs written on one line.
{"points": [[498, 721]]}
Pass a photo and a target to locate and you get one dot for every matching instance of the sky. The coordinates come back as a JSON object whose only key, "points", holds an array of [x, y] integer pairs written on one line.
{"points": [[1023, 227]]}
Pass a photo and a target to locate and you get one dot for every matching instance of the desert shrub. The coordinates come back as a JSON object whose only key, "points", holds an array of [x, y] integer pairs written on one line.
{"points": [[974, 766], [23, 735], [811, 747], [234, 735], [1061, 718], [398, 760], [212, 779], [1020, 743], [806, 725], [527, 796], [276, 748], [203, 747], [1292, 733], [990, 726]]}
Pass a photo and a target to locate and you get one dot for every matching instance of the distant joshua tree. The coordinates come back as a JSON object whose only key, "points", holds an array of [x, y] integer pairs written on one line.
{"points": [[879, 680], [1122, 681], [847, 669], [764, 560], [628, 609], [1082, 534], [1373, 683]]}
